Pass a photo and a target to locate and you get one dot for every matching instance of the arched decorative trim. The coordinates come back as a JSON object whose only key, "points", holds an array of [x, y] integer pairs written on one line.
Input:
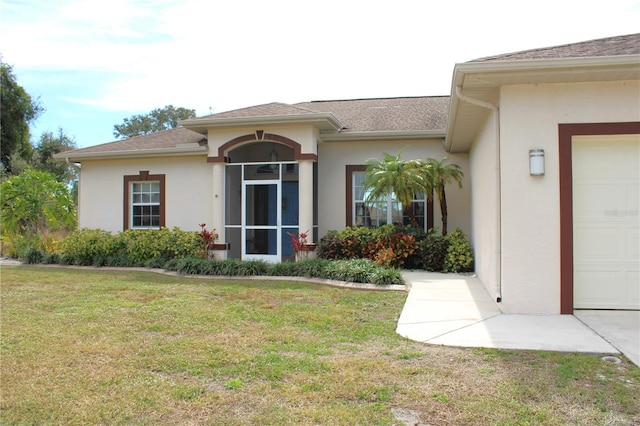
{"points": [[259, 136]]}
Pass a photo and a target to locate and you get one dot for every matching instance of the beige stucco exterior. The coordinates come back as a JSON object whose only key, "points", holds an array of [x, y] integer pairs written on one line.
{"points": [[528, 265], [333, 157], [500, 108], [188, 191], [485, 199]]}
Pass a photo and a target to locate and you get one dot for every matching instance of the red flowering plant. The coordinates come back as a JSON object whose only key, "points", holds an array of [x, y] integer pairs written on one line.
{"points": [[298, 241], [208, 238]]}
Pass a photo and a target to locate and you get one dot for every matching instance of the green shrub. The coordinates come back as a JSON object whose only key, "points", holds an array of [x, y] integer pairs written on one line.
{"points": [[284, 269], [362, 271], [188, 265], [51, 259], [388, 245], [251, 267], [392, 251], [134, 247], [459, 256], [312, 268], [330, 246], [16, 245], [432, 252], [83, 246], [33, 255], [358, 270], [384, 276]]}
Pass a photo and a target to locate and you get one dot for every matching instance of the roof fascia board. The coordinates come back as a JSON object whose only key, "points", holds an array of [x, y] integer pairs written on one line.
{"points": [[539, 65], [324, 121], [462, 70], [143, 153], [383, 135]]}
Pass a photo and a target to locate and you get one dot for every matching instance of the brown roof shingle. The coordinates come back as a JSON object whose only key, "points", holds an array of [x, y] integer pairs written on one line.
{"points": [[386, 114], [611, 46], [265, 110], [159, 140]]}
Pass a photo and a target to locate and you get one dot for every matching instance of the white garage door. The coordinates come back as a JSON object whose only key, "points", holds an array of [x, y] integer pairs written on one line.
{"points": [[606, 221]]}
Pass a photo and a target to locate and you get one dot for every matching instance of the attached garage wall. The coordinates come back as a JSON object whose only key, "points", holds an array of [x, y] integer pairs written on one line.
{"points": [[530, 115], [485, 214]]}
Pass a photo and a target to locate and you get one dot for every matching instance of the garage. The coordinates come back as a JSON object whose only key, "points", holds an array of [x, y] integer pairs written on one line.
{"points": [[606, 221]]}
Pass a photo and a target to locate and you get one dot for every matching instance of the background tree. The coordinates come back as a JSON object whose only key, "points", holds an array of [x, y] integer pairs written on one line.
{"points": [[49, 145], [158, 119], [439, 173], [33, 204], [392, 175], [17, 110]]}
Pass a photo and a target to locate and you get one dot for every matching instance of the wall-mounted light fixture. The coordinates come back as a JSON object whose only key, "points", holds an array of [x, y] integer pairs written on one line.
{"points": [[536, 162]]}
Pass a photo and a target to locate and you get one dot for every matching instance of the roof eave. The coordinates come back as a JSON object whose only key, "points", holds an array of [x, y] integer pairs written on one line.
{"points": [[383, 135], [323, 121], [179, 151], [465, 69]]}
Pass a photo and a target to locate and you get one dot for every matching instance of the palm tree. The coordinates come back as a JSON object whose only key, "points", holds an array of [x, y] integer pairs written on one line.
{"points": [[439, 173], [392, 175]]}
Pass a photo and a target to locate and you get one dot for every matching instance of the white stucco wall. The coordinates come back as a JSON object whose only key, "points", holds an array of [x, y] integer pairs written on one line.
{"points": [[333, 157], [485, 214], [188, 191], [530, 115]]}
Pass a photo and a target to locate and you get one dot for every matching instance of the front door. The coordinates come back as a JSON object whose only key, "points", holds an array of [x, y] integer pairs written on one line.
{"points": [[261, 237]]}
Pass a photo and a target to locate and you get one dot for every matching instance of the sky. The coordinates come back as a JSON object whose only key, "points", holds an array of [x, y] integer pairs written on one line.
{"points": [[93, 63]]}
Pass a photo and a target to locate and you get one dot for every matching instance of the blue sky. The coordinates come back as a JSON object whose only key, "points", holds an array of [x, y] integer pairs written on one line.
{"points": [[93, 63]]}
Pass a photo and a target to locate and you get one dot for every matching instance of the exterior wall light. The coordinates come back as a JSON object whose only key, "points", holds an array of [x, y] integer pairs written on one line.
{"points": [[536, 162]]}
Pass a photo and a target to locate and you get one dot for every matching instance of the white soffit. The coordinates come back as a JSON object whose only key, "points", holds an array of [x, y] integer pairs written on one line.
{"points": [[482, 81]]}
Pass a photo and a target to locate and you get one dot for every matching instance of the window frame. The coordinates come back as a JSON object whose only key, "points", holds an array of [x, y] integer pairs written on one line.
{"points": [[351, 169], [143, 176]]}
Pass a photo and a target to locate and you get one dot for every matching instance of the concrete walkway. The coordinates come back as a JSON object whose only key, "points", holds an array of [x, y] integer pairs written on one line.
{"points": [[456, 310]]}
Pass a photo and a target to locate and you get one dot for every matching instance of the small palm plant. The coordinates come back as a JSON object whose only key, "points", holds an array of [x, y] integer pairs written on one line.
{"points": [[393, 176], [439, 173]]}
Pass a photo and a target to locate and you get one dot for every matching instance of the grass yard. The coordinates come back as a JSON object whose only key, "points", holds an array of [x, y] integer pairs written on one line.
{"points": [[104, 347]]}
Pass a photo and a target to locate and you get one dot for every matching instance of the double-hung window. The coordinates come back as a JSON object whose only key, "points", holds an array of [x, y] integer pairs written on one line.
{"points": [[145, 204], [144, 201], [383, 211]]}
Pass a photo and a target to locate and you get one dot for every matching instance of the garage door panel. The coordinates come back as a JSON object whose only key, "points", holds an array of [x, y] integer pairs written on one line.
{"points": [[596, 199], [633, 245], [606, 218], [598, 244], [633, 285], [597, 159], [596, 290], [633, 200]]}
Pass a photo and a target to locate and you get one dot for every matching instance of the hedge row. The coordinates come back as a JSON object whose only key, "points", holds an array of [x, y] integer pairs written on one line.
{"points": [[400, 246], [95, 247], [357, 271]]}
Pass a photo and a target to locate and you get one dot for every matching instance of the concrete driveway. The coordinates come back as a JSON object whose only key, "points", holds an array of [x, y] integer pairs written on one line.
{"points": [[456, 310]]}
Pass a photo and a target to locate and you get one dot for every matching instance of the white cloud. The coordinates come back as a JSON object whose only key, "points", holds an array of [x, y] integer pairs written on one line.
{"points": [[225, 54]]}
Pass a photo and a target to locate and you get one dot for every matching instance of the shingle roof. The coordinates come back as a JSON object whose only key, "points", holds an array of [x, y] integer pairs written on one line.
{"points": [[386, 114], [265, 110], [165, 139], [358, 115], [611, 46]]}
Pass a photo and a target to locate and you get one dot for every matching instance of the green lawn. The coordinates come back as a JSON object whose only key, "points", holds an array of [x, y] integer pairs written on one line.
{"points": [[104, 347]]}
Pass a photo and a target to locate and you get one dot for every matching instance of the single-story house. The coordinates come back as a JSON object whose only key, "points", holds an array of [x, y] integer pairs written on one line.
{"points": [[548, 140]]}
